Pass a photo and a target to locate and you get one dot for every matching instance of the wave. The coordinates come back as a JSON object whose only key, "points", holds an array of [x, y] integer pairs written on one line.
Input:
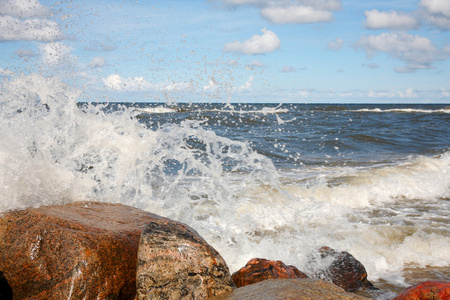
{"points": [[156, 110], [390, 216], [445, 110]]}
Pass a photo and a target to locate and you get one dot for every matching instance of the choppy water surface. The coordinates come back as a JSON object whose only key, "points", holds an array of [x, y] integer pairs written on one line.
{"points": [[256, 180]]}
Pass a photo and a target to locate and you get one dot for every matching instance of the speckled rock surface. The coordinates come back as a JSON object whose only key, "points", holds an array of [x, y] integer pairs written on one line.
{"points": [[259, 269], [283, 289], [82, 250], [428, 290], [175, 262], [345, 270]]}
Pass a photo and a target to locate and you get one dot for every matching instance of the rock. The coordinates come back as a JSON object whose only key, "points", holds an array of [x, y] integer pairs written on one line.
{"points": [[175, 262], [283, 289], [428, 290], [82, 250], [344, 271], [5, 289], [259, 269]]}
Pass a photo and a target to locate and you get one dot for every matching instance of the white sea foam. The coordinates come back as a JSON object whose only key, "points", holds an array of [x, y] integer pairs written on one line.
{"points": [[264, 110], [156, 110], [445, 110], [51, 152]]}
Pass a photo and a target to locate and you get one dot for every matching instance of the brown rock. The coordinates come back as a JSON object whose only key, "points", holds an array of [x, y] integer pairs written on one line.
{"points": [[175, 262], [428, 290], [284, 289], [345, 271], [259, 269], [82, 250]]}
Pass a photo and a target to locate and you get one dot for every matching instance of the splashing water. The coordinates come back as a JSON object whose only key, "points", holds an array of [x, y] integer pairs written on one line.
{"points": [[53, 152]]}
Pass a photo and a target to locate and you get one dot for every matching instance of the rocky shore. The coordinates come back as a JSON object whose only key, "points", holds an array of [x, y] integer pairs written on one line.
{"points": [[92, 250]]}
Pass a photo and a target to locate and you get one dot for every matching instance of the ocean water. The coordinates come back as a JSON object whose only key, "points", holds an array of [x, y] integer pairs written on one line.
{"points": [[276, 181]]}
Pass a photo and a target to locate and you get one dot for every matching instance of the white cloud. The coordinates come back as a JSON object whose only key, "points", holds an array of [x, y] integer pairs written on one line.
{"points": [[336, 44], [437, 6], [417, 52], [24, 9], [288, 69], [390, 20], [55, 53], [406, 94], [257, 44], [24, 52], [296, 14], [246, 86], [97, 62], [14, 29], [437, 12], [117, 83], [372, 66], [444, 92], [6, 72], [256, 64]]}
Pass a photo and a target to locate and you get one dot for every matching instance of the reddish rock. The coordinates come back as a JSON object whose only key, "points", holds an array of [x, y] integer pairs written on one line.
{"points": [[288, 289], [259, 269], [175, 262], [345, 270], [428, 290], [82, 250]]}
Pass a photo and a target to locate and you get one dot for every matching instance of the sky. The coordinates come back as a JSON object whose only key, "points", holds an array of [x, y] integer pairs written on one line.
{"points": [[277, 51]]}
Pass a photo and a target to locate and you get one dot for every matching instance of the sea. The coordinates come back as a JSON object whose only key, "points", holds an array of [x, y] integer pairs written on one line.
{"points": [[268, 180]]}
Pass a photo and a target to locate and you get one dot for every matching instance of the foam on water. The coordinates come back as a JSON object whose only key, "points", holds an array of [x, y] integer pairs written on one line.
{"points": [[388, 216], [445, 110]]}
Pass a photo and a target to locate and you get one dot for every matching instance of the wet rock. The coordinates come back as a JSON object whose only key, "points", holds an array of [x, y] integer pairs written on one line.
{"points": [[259, 269], [344, 271], [5, 289], [82, 250], [283, 289], [175, 262], [428, 290]]}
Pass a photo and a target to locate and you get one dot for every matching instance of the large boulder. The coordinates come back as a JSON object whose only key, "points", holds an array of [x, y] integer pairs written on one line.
{"points": [[344, 271], [428, 290], [82, 250], [175, 262], [259, 269], [284, 289]]}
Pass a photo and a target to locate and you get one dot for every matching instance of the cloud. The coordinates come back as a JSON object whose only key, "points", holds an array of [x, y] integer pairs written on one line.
{"points": [[408, 94], [6, 72], [55, 53], [390, 20], [255, 64], [117, 83], [437, 12], [246, 86], [24, 52], [25, 20], [257, 44], [288, 69], [14, 29], [24, 9], [372, 66], [336, 44], [294, 12], [101, 44], [417, 52], [97, 62]]}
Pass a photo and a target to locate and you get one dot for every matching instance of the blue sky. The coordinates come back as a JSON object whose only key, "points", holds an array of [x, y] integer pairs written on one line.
{"points": [[291, 51]]}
